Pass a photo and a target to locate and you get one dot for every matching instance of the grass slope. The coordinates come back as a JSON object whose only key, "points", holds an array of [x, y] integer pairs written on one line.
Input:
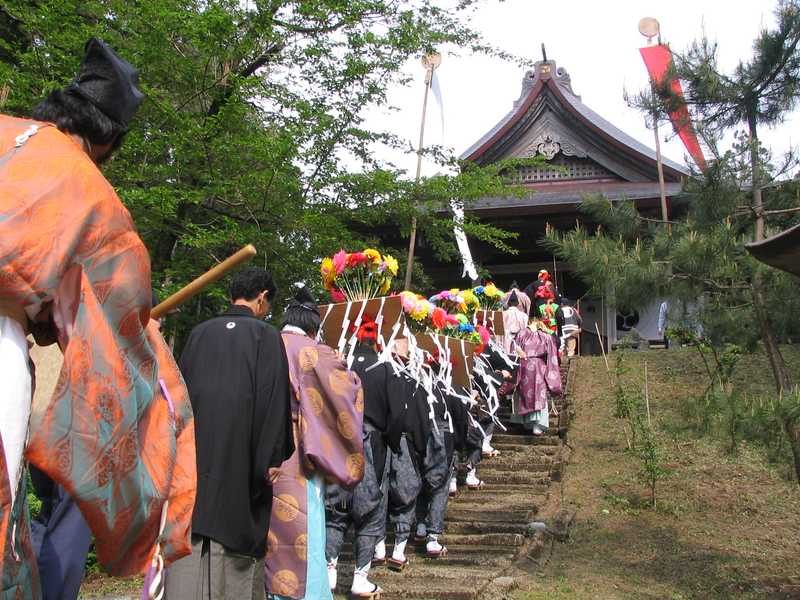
{"points": [[727, 526]]}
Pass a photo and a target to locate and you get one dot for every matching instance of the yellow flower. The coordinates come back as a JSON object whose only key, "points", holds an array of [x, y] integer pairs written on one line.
{"points": [[391, 264], [373, 255], [491, 291], [420, 310], [387, 283], [328, 272], [470, 299]]}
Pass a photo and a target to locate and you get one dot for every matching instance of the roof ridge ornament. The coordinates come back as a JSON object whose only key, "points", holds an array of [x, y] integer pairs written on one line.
{"points": [[542, 70]]}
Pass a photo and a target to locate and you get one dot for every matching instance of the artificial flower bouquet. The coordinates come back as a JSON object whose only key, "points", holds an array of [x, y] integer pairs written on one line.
{"points": [[490, 297], [462, 329], [358, 275], [422, 314], [457, 301]]}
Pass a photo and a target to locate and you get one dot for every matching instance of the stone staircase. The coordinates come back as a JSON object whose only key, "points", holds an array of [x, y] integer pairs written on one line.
{"points": [[486, 531]]}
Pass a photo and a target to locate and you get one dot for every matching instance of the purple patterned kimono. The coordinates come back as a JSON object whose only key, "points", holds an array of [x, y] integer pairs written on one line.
{"points": [[327, 413], [539, 373]]}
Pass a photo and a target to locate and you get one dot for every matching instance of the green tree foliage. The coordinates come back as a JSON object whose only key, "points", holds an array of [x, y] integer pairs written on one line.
{"points": [[760, 91], [253, 129]]}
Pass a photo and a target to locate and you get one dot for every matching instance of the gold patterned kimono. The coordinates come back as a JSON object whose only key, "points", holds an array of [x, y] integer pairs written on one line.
{"points": [[327, 413]]}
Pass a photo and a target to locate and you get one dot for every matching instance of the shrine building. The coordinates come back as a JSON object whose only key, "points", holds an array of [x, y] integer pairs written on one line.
{"points": [[591, 156]]}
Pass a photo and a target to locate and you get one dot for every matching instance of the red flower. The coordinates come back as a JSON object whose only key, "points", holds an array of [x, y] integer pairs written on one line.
{"points": [[439, 318], [368, 330], [356, 258], [337, 296]]}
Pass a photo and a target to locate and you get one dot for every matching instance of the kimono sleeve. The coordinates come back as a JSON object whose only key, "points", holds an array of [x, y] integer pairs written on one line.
{"points": [[175, 539], [399, 393], [272, 440], [553, 374], [332, 414]]}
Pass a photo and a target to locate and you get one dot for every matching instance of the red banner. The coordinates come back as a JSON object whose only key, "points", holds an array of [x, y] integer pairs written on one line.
{"points": [[658, 61]]}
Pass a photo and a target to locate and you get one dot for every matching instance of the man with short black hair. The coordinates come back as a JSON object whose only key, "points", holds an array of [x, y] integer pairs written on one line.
{"points": [[237, 373]]}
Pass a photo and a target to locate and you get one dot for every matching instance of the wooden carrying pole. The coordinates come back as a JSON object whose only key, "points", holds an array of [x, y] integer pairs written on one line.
{"points": [[198, 285]]}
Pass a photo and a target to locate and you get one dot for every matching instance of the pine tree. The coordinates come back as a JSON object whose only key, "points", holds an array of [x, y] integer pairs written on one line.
{"points": [[759, 92], [701, 260]]}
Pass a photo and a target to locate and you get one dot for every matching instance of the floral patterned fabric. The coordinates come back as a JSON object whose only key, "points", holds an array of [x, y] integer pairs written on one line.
{"points": [[539, 372], [109, 435], [327, 412]]}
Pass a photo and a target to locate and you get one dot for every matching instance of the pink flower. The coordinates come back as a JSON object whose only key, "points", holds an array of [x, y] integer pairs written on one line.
{"points": [[485, 337], [340, 261], [337, 296], [408, 300], [451, 320]]}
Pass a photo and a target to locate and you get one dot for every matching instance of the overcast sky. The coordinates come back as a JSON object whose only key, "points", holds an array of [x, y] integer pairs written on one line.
{"points": [[596, 42]]}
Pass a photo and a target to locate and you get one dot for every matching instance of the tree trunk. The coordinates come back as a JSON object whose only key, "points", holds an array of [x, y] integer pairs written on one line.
{"points": [[780, 372], [758, 204], [792, 428]]}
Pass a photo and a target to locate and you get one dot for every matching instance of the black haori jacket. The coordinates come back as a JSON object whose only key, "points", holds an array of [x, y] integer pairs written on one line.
{"points": [[237, 374]]}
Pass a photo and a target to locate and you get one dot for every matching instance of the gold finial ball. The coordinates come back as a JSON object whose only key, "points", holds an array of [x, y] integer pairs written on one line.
{"points": [[649, 27], [432, 61]]}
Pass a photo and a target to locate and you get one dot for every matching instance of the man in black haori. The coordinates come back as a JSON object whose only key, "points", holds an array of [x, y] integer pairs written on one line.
{"points": [[237, 374]]}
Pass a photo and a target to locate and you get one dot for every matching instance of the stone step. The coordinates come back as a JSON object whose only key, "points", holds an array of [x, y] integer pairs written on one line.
{"points": [[526, 438], [456, 555], [495, 476], [497, 491], [531, 462], [488, 514], [483, 527]]}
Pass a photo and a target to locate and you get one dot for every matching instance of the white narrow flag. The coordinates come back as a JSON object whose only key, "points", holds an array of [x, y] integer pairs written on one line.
{"points": [[455, 205]]}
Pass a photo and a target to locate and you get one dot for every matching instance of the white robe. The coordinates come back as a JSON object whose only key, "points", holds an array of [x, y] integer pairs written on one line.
{"points": [[15, 397]]}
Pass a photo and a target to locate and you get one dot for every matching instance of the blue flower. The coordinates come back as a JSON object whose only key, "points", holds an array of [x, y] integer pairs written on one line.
{"points": [[466, 328], [479, 290]]}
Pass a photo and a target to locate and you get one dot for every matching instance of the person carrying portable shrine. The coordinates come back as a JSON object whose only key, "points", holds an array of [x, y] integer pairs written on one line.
{"points": [[364, 506], [500, 371], [408, 432], [448, 434], [327, 407], [480, 423], [539, 376], [74, 272]]}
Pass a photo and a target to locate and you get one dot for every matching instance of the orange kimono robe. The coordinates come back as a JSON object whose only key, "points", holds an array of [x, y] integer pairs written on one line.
{"points": [[109, 435]]}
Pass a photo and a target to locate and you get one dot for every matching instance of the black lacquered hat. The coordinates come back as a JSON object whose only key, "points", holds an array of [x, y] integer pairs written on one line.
{"points": [[109, 82]]}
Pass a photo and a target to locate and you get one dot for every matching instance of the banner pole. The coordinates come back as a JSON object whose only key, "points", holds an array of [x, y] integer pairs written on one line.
{"points": [[430, 62]]}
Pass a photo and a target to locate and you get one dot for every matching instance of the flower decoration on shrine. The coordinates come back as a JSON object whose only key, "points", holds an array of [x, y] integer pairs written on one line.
{"points": [[457, 301], [489, 296], [358, 275], [419, 311]]}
